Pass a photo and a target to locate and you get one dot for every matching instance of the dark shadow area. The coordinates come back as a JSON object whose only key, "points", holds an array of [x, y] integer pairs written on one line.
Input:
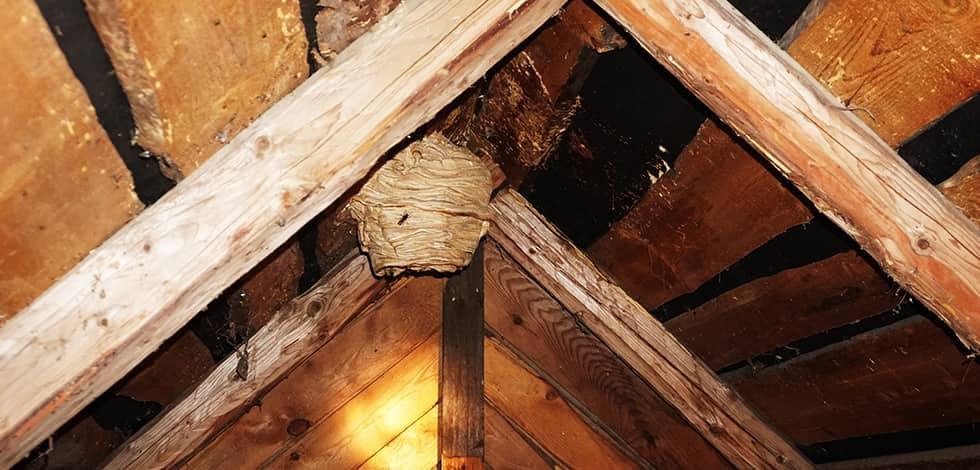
{"points": [[80, 43], [940, 150], [894, 443]]}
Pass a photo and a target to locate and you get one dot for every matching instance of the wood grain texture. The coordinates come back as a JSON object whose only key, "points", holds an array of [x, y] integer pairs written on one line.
{"points": [[146, 281], [533, 405], [844, 168], [371, 344], [774, 311], [692, 223], [909, 375], [900, 65], [291, 335], [521, 313], [732, 204], [194, 87], [415, 448], [506, 448], [63, 187], [461, 364], [712, 408], [371, 419]]}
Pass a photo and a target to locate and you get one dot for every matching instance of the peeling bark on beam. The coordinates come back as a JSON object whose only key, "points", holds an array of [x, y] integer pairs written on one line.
{"points": [[146, 281], [850, 174], [295, 332], [712, 408]]}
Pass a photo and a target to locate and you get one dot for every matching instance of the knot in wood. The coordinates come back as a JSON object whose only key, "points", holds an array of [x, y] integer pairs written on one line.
{"points": [[425, 209]]}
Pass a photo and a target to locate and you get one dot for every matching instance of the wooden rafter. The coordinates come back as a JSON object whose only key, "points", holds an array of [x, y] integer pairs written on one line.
{"points": [[295, 332], [850, 174], [629, 330], [145, 282]]}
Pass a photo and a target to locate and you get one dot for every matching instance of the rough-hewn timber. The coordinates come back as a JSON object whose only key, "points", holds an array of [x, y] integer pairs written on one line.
{"points": [[197, 73], [526, 317], [774, 311], [141, 285], [63, 187], [847, 171], [905, 376], [461, 365], [717, 412], [907, 67]]}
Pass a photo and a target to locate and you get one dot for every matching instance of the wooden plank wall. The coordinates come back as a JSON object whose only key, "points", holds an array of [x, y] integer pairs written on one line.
{"points": [[302, 413], [536, 382]]}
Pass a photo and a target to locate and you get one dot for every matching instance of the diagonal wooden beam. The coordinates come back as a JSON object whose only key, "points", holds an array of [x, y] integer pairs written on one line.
{"points": [[850, 174], [300, 328], [145, 282], [712, 408]]}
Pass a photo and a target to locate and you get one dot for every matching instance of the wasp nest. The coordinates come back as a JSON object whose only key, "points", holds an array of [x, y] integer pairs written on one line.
{"points": [[425, 209]]}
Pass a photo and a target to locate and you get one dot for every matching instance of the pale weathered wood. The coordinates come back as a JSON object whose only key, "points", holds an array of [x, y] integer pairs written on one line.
{"points": [[847, 170], [197, 73], [291, 335], [709, 405], [545, 416], [146, 281], [369, 346], [907, 67], [461, 364], [63, 187]]}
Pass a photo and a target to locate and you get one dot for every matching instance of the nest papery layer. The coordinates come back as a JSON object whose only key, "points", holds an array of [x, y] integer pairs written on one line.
{"points": [[425, 209]]}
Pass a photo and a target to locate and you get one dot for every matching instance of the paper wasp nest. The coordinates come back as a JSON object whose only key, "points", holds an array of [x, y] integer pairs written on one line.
{"points": [[425, 209]]}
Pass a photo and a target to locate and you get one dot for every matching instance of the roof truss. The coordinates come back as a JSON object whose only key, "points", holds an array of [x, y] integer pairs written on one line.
{"points": [[139, 287]]}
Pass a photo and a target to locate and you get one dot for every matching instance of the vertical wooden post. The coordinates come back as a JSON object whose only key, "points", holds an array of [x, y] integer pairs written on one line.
{"points": [[461, 369]]}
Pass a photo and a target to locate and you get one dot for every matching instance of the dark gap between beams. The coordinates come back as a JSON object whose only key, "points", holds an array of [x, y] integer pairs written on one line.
{"points": [[76, 36]]}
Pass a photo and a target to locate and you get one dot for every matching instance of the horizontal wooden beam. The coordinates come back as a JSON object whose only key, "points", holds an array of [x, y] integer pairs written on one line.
{"points": [[152, 276], [908, 375], [850, 174], [712, 408]]}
